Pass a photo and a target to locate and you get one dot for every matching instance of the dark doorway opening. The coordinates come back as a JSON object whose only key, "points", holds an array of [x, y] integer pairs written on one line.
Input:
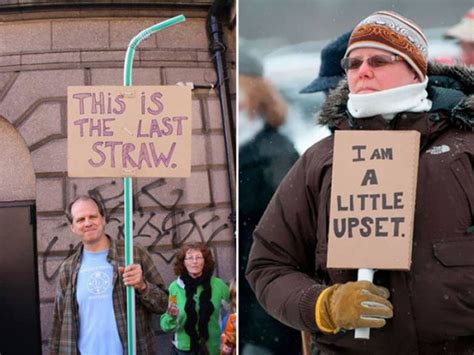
{"points": [[20, 331]]}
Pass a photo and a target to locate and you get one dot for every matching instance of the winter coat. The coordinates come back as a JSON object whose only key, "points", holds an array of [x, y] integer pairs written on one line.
{"points": [[434, 301]]}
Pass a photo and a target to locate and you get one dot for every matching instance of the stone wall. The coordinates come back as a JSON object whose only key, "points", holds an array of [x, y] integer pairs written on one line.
{"points": [[42, 52]]}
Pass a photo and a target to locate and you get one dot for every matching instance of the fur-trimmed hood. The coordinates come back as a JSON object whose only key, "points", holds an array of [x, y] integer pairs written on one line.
{"points": [[450, 88]]}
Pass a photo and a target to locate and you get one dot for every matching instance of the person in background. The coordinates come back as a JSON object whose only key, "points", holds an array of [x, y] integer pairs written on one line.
{"points": [[195, 301], [330, 71], [464, 33], [260, 104], [430, 309], [265, 156], [90, 304], [229, 331]]}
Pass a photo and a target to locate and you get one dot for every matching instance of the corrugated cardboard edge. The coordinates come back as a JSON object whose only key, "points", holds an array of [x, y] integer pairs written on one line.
{"points": [[416, 154]]}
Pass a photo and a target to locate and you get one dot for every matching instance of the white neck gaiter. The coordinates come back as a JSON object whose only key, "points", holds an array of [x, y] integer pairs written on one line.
{"points": [[408, 98]]}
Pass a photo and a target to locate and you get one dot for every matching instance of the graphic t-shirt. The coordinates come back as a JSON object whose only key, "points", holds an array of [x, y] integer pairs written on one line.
{"points": [[98, 333]]}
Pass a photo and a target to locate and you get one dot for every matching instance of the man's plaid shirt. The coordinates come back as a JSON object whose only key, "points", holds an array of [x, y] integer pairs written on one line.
{"points": [[64, 336]]}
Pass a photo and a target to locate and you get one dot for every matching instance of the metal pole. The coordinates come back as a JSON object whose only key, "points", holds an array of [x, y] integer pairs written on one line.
{"points": [[217, 49]]}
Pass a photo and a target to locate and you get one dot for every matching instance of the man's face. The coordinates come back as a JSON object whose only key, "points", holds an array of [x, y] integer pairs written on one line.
{"points": [[367, 79], [87, 223]]}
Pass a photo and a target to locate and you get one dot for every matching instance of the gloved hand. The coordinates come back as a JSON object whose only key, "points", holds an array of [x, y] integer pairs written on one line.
{"points": [[352, 305]]}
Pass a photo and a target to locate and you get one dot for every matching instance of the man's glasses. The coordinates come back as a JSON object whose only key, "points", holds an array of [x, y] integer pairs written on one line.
{"points": [[375, 61], [193, 258]]}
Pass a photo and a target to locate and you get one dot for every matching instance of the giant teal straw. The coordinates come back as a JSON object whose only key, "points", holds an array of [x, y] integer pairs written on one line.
{"points": [[127, 181]]}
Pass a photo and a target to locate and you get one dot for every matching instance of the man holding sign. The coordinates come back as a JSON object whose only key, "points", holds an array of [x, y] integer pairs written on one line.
{"points": [[90, 310], [424, 303]]}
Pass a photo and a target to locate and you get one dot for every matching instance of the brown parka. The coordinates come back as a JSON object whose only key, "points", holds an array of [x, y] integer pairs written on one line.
{"points": [[434, 301]]}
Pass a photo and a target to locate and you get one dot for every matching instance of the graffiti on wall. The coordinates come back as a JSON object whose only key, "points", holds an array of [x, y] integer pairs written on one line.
{"points": [[175, 224]]}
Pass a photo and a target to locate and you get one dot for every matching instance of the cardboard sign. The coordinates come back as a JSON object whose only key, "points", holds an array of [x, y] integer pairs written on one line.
{"points": [[116, 131], [373, 199]]}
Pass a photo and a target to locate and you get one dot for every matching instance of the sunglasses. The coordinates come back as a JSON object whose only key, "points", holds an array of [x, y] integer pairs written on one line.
{"points": [[375, 61]]}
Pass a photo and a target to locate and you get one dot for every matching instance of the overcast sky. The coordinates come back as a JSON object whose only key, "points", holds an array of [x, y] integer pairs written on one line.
{"points": [[295, 21]]}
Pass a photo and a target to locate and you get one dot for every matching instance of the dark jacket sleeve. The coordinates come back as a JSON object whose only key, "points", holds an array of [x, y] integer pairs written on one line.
{"points": [[282, 258], [155, 297]]}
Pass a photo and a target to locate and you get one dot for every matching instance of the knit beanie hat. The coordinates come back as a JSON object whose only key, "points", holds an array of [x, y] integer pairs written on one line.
{"points": [[392, 32]]}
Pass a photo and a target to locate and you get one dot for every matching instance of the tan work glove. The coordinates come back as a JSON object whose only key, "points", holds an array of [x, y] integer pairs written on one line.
{"points": [[352, 305]]}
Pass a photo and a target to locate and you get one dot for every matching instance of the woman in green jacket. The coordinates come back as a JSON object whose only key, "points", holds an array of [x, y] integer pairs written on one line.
{"points": [[194, 303]]}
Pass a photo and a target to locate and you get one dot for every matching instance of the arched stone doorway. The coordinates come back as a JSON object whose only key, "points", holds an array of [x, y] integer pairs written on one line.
{"points": [[16, 168]]}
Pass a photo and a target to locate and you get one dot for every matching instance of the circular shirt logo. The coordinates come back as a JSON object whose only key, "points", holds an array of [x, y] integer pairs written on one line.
{"points": [[98, 283]]}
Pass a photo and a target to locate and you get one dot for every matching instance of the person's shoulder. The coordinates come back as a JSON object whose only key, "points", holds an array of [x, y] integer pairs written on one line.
{"points": [[119, 243], [459, 141], [319, 153], [271, 134], [455, 77], [272, 137], [218, 282], [176, 283], [220, 286], [142, 255], [309, 167], [268, 145], [72, 258], [138, 249], [450, 89], [68, 264], [324, 145]]}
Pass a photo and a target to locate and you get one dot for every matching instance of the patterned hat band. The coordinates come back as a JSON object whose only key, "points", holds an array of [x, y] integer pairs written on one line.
{"points": [[381, 37], [392, 32]]}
